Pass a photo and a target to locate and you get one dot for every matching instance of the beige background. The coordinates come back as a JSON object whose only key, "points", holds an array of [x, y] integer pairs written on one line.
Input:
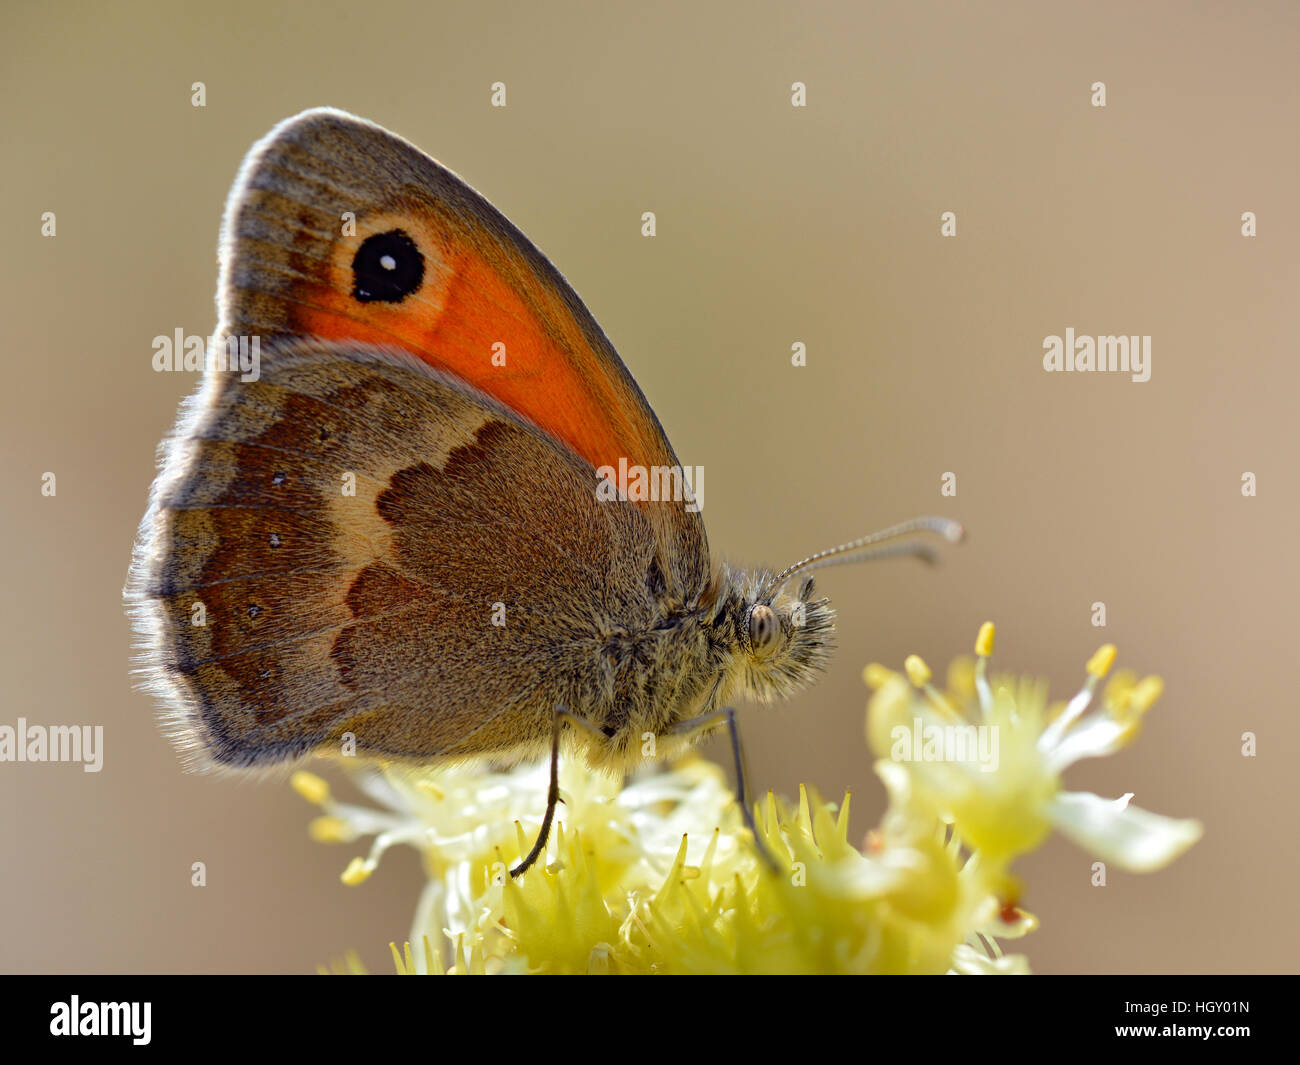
{"points": [[775, 225]]}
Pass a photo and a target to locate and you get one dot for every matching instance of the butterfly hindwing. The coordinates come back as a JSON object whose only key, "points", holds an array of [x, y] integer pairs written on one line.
{"points": [[358, 536]]}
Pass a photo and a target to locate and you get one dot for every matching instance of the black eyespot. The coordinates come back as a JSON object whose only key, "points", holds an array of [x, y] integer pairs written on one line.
{"points": [[254, 610], [278, 478], [387, 268]]}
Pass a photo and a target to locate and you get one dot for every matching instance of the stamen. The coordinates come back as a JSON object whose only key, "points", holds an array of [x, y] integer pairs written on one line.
{"points": [[329, 829], [1098, 666], [1130, 704], [983, 651], [919, 674], [876, 676], [917, 671], [357, 872], [1149, 689], [311, 787]]}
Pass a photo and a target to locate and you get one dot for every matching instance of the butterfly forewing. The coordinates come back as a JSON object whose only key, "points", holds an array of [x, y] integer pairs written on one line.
{"points": [[327, 201]]}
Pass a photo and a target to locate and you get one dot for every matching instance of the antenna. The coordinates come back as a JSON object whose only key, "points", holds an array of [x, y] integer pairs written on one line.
{"points": [[867, 548]]}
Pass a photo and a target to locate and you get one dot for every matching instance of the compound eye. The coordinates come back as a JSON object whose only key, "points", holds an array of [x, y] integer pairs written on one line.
{"points": [[764, 630]]}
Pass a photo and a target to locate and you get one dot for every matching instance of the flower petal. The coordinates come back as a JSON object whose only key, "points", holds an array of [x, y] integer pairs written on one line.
{"points": [[1132, 838], [967, 961], [1092, 737]]}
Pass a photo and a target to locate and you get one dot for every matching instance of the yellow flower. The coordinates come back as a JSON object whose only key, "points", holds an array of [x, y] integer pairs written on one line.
{"points": [[660, 875], [987, 757]]}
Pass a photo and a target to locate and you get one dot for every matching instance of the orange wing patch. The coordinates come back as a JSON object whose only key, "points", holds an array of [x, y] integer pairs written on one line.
{"points": [[289, 269], [473, 317]]}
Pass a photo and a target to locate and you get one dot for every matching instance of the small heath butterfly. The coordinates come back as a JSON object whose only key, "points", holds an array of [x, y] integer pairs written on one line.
{"points": [[418, 509]]}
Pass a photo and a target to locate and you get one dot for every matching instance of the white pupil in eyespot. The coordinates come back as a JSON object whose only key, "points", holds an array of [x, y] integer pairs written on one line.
{"points": [[388, 262]]}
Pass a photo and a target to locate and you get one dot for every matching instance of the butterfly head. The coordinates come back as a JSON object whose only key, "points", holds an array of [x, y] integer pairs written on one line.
{"points": [[777, 637]]}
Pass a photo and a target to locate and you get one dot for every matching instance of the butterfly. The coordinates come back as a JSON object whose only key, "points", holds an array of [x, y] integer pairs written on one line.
{"points": [[403, 532]]}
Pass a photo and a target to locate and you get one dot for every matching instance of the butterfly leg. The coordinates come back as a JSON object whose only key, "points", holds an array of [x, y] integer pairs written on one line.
{"points": [[706, 721], [553, 792]]}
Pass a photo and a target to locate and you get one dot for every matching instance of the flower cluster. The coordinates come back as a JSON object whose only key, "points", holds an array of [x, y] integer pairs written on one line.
{"points": [[660, 874]]}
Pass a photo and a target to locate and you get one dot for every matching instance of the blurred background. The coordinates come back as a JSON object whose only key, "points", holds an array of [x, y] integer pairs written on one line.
{"points": [[776, 225]]}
